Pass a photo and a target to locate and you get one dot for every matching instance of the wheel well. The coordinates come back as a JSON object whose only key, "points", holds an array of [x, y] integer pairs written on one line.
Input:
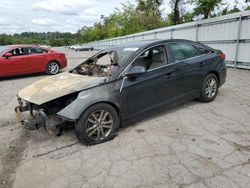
{"points": [[56, 62], [111, 104], [216, 74]]}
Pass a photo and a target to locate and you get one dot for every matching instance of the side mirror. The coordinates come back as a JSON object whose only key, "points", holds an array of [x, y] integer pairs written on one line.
{"points": [[8, 55], [136, 70]]}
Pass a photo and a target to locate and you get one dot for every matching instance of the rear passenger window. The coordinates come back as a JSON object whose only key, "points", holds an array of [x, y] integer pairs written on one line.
{"points": [[36, 50], [182, 51]]}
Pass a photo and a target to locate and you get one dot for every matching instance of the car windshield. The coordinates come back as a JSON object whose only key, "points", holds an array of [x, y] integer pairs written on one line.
{"points": [[106, 62], [3, 48], [123, 53]]}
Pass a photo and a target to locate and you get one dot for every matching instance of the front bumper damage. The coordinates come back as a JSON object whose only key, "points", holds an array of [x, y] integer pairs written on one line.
{"points": [[32, 117]]}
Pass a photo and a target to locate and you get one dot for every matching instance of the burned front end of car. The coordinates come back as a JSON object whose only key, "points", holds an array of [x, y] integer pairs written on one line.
{"points": [[54, 101], [33, 116]]}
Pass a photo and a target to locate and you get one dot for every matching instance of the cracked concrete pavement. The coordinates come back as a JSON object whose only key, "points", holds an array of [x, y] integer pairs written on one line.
{"points": [[193, 145]]}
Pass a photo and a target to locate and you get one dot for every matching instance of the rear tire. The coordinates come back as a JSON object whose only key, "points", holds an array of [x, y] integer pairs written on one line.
{"points": [[99, 123], [53, 68], [209, 88]]}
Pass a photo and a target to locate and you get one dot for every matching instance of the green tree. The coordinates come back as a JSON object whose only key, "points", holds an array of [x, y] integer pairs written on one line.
{"points": [[226, 11], [129, 19], [149, 13], [50, 38], [179, 14], [175, 17], [206, 7]]}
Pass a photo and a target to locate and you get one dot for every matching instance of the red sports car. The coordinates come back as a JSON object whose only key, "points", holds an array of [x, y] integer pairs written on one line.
{"points": [[27, 59]]}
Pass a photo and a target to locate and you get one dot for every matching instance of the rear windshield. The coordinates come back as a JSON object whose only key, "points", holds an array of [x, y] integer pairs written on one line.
{"points": [[3, 48]]}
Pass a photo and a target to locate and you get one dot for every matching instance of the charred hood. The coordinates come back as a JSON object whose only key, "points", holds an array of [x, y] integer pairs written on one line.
{"points": [[57, 86]]}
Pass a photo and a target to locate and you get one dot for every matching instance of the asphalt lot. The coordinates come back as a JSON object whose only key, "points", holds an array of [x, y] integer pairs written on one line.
{"points": [[193, 145]]}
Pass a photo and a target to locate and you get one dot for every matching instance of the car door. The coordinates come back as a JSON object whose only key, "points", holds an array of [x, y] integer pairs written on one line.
{"points": [[36, 59], [191, 64], [152, 89], [6, 66], [14, 65]]}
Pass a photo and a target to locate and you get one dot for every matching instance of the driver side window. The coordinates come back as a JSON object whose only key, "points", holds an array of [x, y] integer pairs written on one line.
{"points": [[152, 58]]}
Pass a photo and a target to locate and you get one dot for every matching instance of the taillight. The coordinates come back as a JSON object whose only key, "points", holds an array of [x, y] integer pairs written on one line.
{"points": [[222, 56]]}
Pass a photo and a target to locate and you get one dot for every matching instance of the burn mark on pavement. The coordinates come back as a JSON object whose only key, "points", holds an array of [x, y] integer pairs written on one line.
{"points": [[51, 151]]}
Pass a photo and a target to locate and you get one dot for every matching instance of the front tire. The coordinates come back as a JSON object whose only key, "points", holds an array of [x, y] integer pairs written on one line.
{"points": [[53, 68], [99, 123], [209, 88]]}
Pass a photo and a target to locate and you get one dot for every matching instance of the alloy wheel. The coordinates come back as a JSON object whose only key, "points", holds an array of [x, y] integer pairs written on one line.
{"points": [[53, 68], [211, 88], [99, 125]]}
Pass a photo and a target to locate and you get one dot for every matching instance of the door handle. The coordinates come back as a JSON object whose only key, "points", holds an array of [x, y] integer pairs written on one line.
{"points": [[169, 75]]}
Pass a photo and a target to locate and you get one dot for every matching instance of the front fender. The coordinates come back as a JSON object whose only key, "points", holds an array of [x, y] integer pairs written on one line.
{"points": [[86, 98]]}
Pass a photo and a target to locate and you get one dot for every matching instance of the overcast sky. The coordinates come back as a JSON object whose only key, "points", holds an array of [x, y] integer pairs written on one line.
{"points": [[58, 15]]}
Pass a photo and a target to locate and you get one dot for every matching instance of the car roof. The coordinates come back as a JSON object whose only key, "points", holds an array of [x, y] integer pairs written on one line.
{"points": [[144, 43], [22, 45], [13, 46]]}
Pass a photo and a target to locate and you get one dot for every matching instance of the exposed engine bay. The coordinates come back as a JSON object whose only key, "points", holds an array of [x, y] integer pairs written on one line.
{"points": [[102, 65], [33, 116]]}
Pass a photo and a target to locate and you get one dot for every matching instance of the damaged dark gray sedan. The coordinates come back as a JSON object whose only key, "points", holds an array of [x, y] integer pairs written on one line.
{"points": [[120, 84]]}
